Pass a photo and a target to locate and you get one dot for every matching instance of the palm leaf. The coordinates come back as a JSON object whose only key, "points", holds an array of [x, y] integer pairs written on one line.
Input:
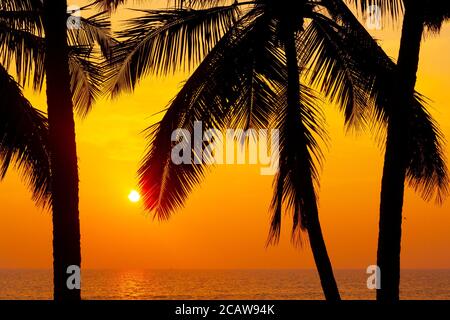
{"points": [[390, 9], [86, 79], [23, 139], [95, 30], [29, 21], [436, 13], [329, 68], [25, 51], [212, 95], [301, 130], [433, 12], [427, 173], [162, 41], [21, 5], [427, 170], [108, 5]]}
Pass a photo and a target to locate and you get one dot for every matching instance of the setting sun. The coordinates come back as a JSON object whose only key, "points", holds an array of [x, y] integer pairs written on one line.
{"points": [[134, 196]]}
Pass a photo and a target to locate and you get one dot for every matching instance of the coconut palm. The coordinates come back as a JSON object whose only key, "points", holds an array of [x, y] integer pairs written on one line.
{"points": [[419, 16], [35, 41], [252, 56], [189, 32]]}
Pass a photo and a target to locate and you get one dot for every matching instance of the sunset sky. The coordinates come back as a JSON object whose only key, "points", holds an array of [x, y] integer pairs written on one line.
{"points": [[225, 221]]}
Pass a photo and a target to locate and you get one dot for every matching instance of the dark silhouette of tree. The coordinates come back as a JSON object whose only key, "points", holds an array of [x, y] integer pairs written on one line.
{"points": [[35, 40], [418, 16]]}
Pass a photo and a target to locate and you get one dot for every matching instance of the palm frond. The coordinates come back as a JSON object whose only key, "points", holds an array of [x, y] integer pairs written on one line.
{"points": [[390, 9], [23, 139], [301, 133], [95, 30], [436, 13], [427, 172], [86, 79], [25, 51], [108, 5], [165, 185], [202, 4], [162, 41], [329, 68], [212, 95], [365, 54], [21, 5], [111, 5], [261, 67], [29, 21]]}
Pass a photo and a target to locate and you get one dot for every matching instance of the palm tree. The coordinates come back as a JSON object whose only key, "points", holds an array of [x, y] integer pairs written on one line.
{"points": [[418, 15], [34, 38], [256, 49], [23, 138]]}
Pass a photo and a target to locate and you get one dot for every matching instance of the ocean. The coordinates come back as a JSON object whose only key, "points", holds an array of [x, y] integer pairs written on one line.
{"points": [[220, 285]]}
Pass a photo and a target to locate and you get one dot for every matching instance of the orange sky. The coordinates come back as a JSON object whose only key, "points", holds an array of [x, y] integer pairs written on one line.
{"points": [[225, 222]]}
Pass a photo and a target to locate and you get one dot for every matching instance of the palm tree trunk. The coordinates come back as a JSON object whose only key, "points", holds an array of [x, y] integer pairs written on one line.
{"points": [[395, 163], [63, 156], [318, 247]]}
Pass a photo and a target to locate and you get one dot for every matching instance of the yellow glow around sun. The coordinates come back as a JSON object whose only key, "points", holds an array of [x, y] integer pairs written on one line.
{"points": [[134, 196]]}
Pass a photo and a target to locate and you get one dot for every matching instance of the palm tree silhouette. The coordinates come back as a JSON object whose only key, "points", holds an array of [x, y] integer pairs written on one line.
{"points": [[34, 37], [23, 138], [253, 59], [418, 15]]}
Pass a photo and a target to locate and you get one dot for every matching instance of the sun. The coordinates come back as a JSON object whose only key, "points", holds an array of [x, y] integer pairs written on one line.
{"points": [[134, 196]]}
